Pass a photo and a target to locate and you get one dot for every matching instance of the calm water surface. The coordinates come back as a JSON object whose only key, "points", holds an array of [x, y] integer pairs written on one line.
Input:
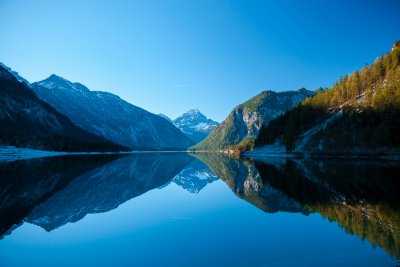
{"points": [[177, 209]]}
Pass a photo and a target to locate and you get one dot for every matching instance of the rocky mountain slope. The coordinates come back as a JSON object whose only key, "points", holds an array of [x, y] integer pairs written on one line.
{"points": [[15, 74], [245, 121], [26, 121], [165, 117], [109, 116]]}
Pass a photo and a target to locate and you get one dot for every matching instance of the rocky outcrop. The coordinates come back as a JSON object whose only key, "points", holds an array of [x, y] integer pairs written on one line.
{"points": [[245, 121]]}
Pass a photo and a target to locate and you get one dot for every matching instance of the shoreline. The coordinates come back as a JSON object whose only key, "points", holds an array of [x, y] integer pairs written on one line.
{"points": [[381, 156], [11, 153]]}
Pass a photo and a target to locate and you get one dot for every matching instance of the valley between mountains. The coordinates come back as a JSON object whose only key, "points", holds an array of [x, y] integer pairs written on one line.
{"points": [[358, 115]]}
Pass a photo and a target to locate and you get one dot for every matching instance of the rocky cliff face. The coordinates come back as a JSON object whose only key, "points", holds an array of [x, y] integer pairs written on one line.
{"points": [[246, 120]]}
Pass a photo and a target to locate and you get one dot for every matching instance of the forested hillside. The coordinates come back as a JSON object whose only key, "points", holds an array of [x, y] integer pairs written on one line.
{"points": [[361, 112]]}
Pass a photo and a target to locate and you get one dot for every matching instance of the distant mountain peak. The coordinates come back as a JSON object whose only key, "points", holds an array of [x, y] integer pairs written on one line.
{"points": [[300, 90], [57, 82], [195, 124], [193, 111], [53, 78], [306, 91]]}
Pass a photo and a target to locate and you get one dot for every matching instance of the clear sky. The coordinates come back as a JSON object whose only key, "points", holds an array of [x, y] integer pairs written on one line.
{"points": [[170, 56]]}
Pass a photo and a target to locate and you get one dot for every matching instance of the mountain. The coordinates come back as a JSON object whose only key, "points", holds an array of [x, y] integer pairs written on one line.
{"points": [[26, 121], [109, 116], [166, 117], [15, 74], [245, 121], [195, 125], [360, 114]]}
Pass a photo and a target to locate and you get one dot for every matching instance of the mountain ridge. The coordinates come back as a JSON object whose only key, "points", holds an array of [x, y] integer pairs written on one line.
{"points": [[29, 122], [246, 119], [109, 116], [14, 73]]}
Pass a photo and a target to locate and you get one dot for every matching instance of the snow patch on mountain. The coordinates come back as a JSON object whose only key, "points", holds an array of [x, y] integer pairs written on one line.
{"points": [[195, 125]]}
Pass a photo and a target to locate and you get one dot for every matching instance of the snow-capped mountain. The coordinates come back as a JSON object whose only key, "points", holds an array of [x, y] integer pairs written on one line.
{"points": [[109, 116], [193, 124]]}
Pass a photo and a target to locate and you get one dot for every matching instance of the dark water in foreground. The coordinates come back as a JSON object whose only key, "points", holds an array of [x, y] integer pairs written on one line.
{"points": [[176, 209]]}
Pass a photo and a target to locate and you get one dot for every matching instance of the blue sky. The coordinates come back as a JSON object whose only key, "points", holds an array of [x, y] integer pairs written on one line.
{"points": [[170, 56]]}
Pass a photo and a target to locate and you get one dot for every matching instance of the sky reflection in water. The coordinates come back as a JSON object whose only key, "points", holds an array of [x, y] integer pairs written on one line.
{"points": [[158, 221]]}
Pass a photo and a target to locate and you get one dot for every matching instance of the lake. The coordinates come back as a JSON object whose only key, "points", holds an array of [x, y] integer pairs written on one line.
{"points": [[180, 209]]}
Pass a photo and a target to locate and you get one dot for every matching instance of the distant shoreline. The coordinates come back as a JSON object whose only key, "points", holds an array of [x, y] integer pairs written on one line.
{"points": [[11, 153]]}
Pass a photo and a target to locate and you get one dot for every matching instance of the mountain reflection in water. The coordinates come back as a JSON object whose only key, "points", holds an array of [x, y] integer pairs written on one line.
{"points": [[361, 196]]}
